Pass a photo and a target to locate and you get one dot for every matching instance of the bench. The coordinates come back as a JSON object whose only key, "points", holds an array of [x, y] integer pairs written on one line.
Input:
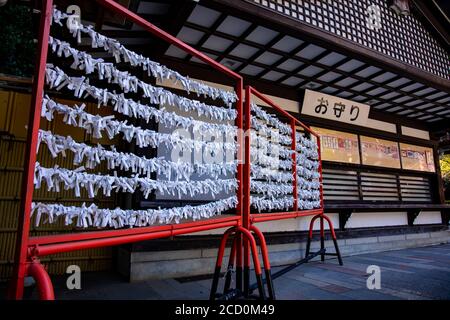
{"points": [[345, 210]]}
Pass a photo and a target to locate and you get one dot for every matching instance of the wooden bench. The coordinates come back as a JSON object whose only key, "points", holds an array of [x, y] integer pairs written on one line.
{"points": [[345, 210]]}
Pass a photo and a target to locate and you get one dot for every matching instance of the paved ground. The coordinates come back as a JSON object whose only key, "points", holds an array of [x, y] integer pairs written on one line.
{"points": [[420, 273]]}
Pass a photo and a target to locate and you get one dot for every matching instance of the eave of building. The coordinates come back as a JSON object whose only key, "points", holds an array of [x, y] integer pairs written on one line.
{"points": [[436, 17], [253, 12]]}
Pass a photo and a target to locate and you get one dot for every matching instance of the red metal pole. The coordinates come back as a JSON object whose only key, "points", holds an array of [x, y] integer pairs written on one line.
{"points": [[219, 259], [247, 168], [281, 110], [254, 249], [222, 245], [239, 262], [263, 246], [114, 241], [44, 283], [181, 228], [116, 7], [294, 164], [266, 261], [262, 217], [248, 237], [17, 282], [330, 224], [320, 173], [241, 151], [246, 234], [333, 236], [322, 230], [311, 225], [247, 164], [322, 237]]}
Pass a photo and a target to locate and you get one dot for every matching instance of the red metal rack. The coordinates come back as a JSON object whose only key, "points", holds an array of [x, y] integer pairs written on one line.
{"points": [[241, 225], [250, 219], [29, 249]]}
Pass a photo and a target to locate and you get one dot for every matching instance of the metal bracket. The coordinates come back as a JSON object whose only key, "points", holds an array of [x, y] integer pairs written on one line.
{"points": [[344, 215], [230, 271], [412, 215], [445, 213]]}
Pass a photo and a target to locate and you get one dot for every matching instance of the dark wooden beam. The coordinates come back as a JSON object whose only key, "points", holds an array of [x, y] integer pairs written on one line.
{"points": [[160, 19], [427, 14], [440, 195], [99, 20], [371, 207], [445, 214], [443, 125], [260, 52], [208, 33], [178, 13]]}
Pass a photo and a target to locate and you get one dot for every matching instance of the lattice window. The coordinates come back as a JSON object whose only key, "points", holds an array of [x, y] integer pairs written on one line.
{"points": [[402, 38]]}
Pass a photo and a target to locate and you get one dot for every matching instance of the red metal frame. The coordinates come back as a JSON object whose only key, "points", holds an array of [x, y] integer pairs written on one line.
{"points": [[29, 248], [250, 240], [250, 218]]}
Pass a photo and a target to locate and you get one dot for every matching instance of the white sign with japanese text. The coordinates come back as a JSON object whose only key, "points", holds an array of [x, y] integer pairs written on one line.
{"points": [[334, 108]]}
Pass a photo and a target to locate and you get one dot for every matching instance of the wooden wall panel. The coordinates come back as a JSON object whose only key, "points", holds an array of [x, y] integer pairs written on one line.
{"points": [[14, 110]]}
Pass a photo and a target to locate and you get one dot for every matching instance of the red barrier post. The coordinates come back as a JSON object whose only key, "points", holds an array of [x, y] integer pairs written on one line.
{"points": [[43, 282], [16, 289]]}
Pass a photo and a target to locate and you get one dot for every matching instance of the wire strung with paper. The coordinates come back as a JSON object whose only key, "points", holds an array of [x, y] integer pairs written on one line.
{"points": [[128, 172], [271, 155], [96, 124], [92, 156], [92, 216], [153, 69], [307, 169]]}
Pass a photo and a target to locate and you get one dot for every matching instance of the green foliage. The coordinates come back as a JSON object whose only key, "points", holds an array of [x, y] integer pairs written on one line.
{"points": [[17, 49], [445, 171], [445, 167]]}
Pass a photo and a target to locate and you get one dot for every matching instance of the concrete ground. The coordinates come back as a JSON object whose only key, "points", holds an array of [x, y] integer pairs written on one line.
{"points": [[418, 273]]}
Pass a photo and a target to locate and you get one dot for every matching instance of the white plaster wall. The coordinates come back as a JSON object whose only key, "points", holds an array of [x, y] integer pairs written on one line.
{"points": [[412, 132], [357, 220], [381, 125], [286, 104], [298, 224], [376, 219], [428, 217]]}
